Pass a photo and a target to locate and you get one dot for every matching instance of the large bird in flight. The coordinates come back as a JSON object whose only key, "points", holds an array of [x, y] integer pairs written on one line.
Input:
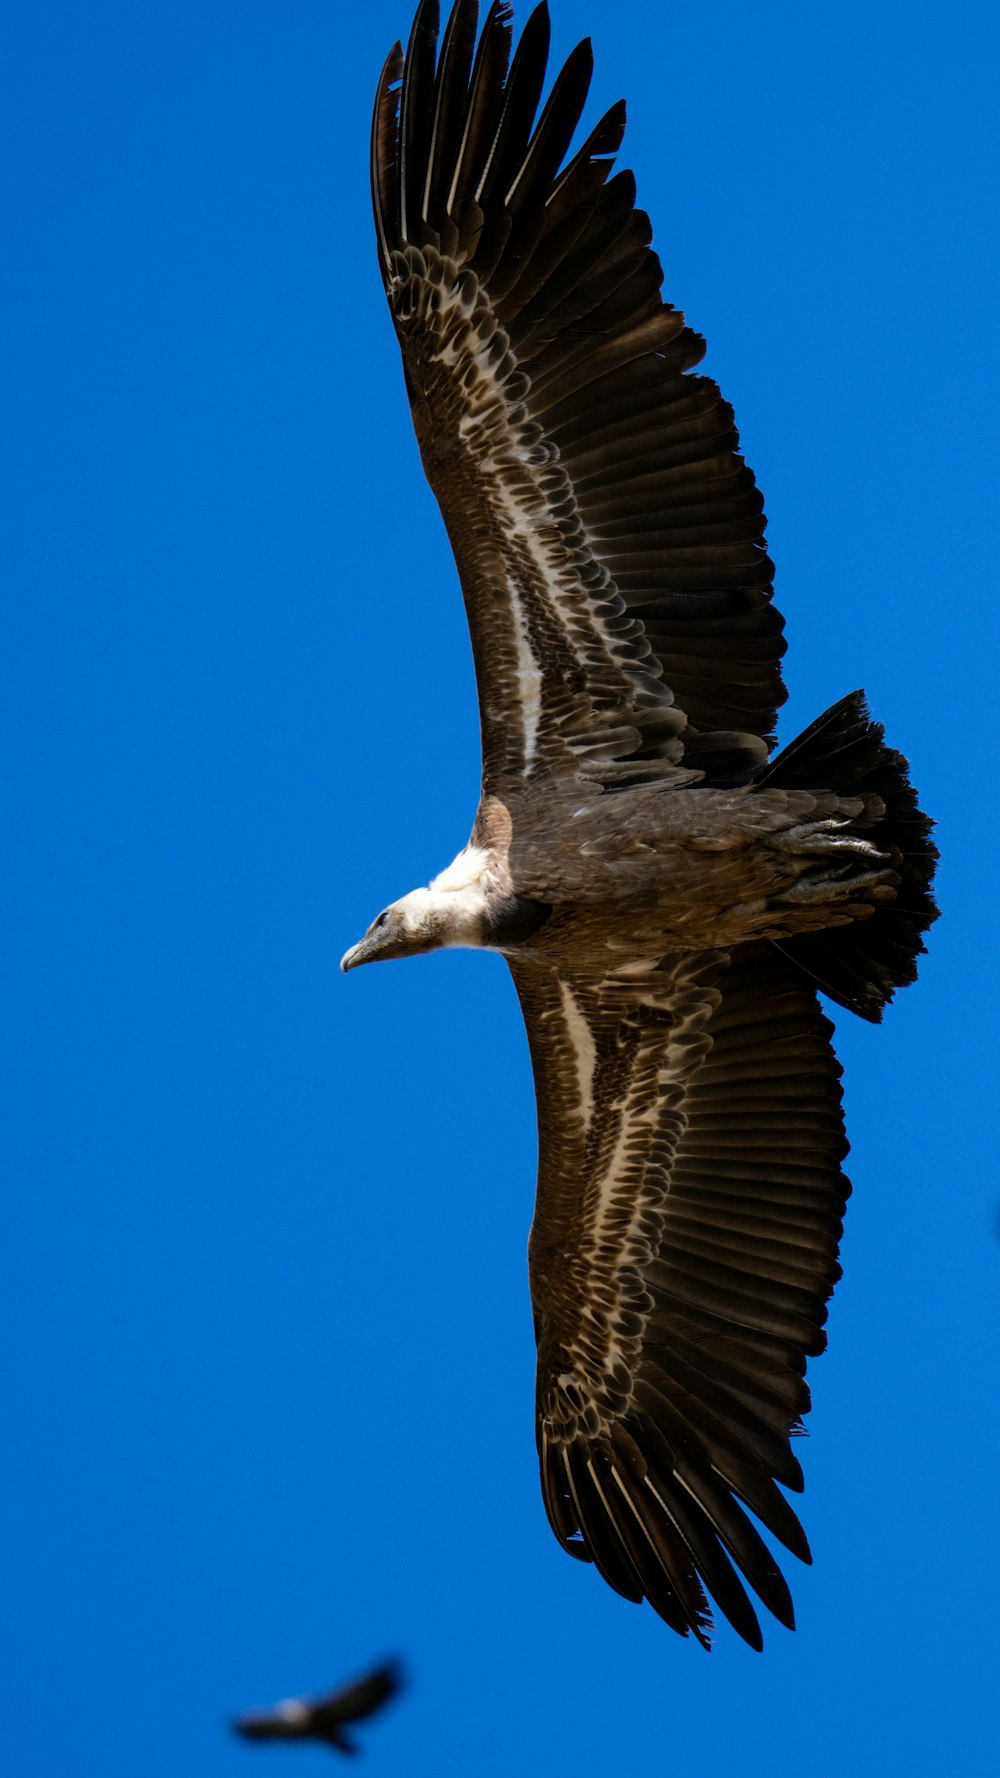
{"points": [[669, 897]]}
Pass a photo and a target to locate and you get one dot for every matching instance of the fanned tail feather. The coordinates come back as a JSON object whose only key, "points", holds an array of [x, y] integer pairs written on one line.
{"points": [[860, 966]]}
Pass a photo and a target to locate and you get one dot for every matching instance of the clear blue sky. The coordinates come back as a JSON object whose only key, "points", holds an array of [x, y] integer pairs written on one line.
{"points": [[267, 1347]]}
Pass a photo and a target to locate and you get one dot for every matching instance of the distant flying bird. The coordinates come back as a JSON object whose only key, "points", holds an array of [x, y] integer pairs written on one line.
{"points": [[324, 1719], [669, 898]]}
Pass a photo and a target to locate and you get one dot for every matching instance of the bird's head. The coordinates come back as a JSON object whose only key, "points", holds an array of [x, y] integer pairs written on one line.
{"points": [[424, 920]]}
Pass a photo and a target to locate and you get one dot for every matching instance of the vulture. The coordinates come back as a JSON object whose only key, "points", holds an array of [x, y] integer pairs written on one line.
{"points": [[671, 896], [325, 1718]]}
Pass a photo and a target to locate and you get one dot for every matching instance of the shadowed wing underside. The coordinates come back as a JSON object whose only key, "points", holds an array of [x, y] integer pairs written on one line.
{"points": [[609, 537], [689, 1209]]}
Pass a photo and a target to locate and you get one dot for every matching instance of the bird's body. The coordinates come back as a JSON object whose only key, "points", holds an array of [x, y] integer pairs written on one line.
{"points": [[668, 896], [652, 872]]}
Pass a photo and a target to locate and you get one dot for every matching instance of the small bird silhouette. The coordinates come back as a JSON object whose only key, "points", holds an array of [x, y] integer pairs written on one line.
{"points": [[324, 1719]]}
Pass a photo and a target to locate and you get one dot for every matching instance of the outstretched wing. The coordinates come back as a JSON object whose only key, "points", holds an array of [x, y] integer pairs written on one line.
{"points": [[354, 1702], [685, 1243], [609, 537]]}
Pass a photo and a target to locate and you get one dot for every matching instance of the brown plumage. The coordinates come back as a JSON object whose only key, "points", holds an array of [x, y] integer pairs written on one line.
{"points": [[325, 1718], [669, 898]]}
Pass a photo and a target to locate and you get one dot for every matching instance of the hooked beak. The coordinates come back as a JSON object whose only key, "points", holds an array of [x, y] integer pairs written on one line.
{"points": [[379, 941], [386, 937]]}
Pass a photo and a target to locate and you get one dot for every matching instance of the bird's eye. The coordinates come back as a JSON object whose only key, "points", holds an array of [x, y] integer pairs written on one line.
{"points": [[381, 921]]}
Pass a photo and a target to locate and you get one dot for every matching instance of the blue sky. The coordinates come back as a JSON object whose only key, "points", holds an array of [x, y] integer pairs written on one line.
{"points": [[267, 1344]]}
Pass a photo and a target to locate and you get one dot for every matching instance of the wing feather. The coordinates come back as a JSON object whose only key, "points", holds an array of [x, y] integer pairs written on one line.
{"points": [[534, 178], [522, 92], [485, 92], [384, 156], [450, 93], [684, 1248], [417, 112]]}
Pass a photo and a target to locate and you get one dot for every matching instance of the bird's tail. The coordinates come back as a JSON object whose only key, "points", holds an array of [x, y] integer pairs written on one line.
{"points": [[861, 965]]}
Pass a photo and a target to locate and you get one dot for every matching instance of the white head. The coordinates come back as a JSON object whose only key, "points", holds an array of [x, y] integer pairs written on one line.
{"points": [[453, 911]]}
